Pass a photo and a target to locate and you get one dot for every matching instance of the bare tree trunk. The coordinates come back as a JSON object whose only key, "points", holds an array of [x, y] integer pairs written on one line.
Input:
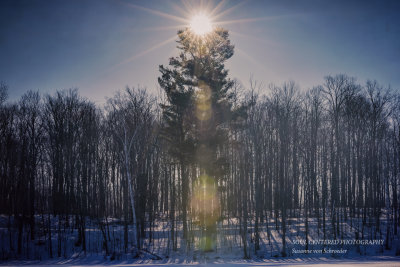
{"points": [[132, 199]]}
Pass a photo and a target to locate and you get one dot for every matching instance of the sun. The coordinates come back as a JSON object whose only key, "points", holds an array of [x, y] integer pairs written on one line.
{"points": [[201, 24]]}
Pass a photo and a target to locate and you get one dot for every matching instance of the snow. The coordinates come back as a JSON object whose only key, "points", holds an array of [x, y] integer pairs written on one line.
{"points": [[229, 247], [95, 260]]}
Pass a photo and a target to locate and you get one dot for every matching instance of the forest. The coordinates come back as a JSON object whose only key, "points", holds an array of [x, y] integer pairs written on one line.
{"points": [[206, 165]]}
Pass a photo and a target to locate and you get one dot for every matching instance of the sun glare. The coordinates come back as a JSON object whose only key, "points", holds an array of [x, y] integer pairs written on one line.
{"points": [[201, 24], [201, 21]]}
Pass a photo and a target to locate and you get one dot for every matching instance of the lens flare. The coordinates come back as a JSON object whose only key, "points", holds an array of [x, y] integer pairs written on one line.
{"points": [[203, 102], [206, 210], [205, 201]]}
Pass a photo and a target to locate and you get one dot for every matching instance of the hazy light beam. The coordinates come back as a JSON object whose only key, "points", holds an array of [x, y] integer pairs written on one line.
{"points": [[143, 53], [217, 8], [230, 9], [251, 59], [246, 36], [162, 28], [181, 10], [224, 22], [188, 7], [159, 13]]}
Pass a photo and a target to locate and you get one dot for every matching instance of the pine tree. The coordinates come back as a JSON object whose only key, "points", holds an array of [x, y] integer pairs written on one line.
{"points": [[196, 119]]}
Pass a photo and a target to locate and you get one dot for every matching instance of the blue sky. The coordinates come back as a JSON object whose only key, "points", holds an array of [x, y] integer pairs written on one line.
{"points": [[102, 46]]}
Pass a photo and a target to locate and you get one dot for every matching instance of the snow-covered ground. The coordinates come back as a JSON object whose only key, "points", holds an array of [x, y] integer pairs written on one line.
{"points": [[315, 262], [229, 246]]}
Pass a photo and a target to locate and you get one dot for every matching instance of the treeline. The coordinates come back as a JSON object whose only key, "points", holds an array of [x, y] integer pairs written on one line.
{"points": [[331, 153], [204, 155]]}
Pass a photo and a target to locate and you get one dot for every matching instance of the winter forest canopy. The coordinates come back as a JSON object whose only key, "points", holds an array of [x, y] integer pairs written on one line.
{"points": [[205, 166]]}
